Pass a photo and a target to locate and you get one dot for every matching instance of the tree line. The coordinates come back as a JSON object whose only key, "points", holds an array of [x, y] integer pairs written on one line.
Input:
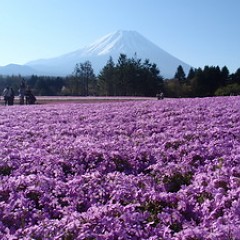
{"points": [[206, 82], [132, 77]]}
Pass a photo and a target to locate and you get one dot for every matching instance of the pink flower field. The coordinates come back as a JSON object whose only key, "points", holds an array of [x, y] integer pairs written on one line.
{"points": [[121, 170]]}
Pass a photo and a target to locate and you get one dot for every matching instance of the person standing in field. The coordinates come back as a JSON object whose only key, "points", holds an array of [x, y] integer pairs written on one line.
{"points": [[30, 98], [11, 96], [6, 95], [21, 92]]}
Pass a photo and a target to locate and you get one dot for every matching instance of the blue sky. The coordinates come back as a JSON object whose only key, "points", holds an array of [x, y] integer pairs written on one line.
{"points": [[199, 32]]}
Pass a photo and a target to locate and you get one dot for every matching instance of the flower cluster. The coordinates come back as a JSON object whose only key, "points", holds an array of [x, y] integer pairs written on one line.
{"points": [[123, 170]]}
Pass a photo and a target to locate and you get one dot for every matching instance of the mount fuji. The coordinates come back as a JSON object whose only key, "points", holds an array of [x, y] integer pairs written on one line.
{"points": [[98, 53]]}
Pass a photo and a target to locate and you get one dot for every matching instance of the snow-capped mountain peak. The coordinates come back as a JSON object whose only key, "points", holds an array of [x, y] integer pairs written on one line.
{"points": [[124, 41], [113, 44], [105, 44]]}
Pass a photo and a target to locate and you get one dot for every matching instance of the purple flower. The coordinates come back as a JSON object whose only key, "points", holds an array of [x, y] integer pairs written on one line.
{"points": [[126, 170]]}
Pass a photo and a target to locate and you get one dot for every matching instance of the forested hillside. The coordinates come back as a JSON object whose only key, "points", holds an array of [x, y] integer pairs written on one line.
{"points": [[131, 77]]}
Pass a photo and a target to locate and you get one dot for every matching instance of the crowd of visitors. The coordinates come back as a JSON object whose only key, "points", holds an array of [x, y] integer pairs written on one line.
{"points": [[25, 95]]}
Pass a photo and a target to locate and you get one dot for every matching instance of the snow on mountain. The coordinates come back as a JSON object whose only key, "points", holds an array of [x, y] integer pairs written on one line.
{"points": [[130, 43]]}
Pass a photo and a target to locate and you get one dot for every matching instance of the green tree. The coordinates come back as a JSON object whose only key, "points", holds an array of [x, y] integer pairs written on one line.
{"points": [[76, 85], [191, 74], [130, 77], [107, 83], [172, 88], [224, 76], [153, 81], [180, 74], [83, 77], [87, 75], [122, 78], [228, 90], [206, 81], [236, 76]]}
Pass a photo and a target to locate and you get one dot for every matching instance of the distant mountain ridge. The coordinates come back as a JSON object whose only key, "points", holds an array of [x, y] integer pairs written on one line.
{"points": [[16, 69], [113, 44]]}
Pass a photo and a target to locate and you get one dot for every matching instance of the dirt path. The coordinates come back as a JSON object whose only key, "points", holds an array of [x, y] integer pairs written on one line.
{"points": [[62, 99]]}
